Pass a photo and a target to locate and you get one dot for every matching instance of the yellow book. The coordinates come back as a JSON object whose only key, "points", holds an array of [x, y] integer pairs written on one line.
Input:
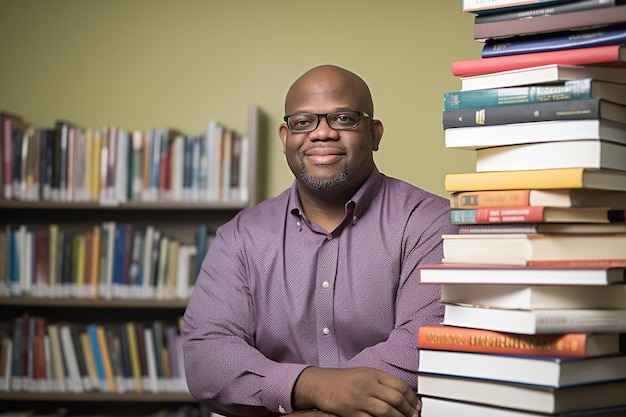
{"points": [[79, 270], [57, 378], [133, 348], [172, 269], [94, 262], [587, 178], [106, 358]]}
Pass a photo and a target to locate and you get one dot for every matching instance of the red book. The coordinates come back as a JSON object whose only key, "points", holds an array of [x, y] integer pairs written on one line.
{"points": [[609, 55], [528, 214], [462, 339]]}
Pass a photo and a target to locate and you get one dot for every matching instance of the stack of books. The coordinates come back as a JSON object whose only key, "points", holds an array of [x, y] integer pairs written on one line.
{"points": [[534, 283]]}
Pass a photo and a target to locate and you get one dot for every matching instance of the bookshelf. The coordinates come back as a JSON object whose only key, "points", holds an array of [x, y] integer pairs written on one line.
{"points": [[180, 221]]}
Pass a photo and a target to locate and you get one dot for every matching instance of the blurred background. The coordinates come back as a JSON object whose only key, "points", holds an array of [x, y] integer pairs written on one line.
{"points": [[140, 64]]}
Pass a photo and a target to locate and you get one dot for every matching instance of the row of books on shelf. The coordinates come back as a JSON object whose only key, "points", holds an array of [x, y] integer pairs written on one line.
{"points": [[42, 356], [110, 261], [112, 165], [533, 285]]}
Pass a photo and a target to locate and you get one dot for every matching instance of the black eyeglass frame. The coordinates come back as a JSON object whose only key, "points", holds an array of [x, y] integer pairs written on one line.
{"points": [[358, 113]]}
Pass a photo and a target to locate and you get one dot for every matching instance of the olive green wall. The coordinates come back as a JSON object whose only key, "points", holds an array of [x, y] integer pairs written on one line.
{"points": [[154, 63]]}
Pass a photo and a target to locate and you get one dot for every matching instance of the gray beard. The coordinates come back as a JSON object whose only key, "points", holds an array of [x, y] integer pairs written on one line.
{"points": [[324, 184]]}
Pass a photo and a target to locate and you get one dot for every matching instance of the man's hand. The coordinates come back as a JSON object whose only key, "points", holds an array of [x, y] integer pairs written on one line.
{"points": [[355, 392]]}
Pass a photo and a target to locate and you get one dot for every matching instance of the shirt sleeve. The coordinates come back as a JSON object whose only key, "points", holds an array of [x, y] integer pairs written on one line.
{"points": [[416, 304], [223, 369]]}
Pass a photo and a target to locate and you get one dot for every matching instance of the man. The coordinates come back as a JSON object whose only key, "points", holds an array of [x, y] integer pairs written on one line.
{"points": [[311, 300]]}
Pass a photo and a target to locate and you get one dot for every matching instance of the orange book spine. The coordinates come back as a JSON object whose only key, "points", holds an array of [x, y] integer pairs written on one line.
{"points": [[463, 339], [476, 199], [106, 358]]}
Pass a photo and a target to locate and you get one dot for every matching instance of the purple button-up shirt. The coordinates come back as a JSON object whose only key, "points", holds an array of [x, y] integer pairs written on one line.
{"points": [[277, 293]]}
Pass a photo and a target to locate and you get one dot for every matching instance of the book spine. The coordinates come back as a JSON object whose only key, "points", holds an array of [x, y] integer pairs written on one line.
{"points": [[489, 116], [463, 339], [476, 199], [551, 9], [547, 43], [512, 96], [582, 56], [531, 214], [539, 179], [552, 23]]}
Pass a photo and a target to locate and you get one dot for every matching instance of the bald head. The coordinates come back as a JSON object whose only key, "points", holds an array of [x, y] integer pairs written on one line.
{"points": [[332, 82]]}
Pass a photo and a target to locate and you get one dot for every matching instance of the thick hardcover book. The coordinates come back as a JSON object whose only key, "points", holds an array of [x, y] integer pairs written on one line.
{"points": [[463, 339], [476, 137], [527, 297], [542, 10], [542, 74], [534, 370], [578, 178], [542, 321], [579, 89], [587, 109], [432, 406], [554, 41], [553, 198], [609, 55], [494, 6], [551, 23], [528, 214], [524, 396], [519, 249], [597, 154]]}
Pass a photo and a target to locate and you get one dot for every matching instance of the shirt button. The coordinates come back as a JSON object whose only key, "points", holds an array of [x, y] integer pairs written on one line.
{"points": [[325, 284], [329, 236], [325, 330], [282, 410]]}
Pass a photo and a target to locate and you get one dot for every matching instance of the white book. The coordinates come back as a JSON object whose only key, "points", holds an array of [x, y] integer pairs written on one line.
{"points": [[523, 397], [548, 155], [540, 321], [541, 75], [522, 249], [121, 167], [534, 370], [185, 255], [520, 274], [153, 383], [214, 150], [476, 137], [69, 354], [442, 407], [528, 297]]}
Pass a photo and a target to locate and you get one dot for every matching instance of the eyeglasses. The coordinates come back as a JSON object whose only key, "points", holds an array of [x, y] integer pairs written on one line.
{"points": [[308, 122]]}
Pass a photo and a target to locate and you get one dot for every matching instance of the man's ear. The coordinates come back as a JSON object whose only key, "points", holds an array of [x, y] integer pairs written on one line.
{"points": [[376, 130], [283, 132]]}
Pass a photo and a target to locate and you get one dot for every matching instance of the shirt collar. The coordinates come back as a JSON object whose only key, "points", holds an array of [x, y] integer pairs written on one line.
{"points": [[355, 207]]}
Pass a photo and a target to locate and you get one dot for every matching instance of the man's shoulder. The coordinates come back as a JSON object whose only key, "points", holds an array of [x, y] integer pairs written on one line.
{"points": [[264, 214]]}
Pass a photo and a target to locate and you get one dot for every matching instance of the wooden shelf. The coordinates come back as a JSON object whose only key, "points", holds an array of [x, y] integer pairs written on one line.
{"points": [[92, 303], [161, 397]]}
